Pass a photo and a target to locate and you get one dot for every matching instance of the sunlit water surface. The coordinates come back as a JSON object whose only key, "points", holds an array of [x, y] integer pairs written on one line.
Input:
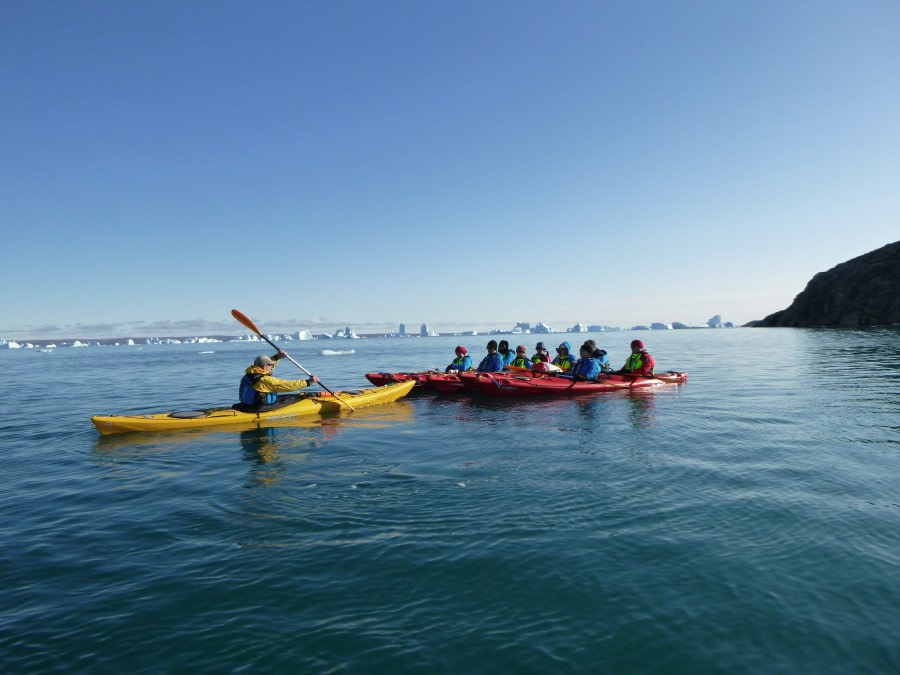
{"points": [[748, 521]]}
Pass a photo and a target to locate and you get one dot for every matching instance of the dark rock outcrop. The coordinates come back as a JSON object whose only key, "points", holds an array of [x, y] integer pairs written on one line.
{"points": [[864, 291]]}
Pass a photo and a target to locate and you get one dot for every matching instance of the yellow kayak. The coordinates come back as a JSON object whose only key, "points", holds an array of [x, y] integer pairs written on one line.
{"points": [[304, 406]]}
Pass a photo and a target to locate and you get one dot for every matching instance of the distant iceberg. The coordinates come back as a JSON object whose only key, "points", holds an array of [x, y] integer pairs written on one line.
{"points": [[346, 333], [716, 322], [425, 331]]}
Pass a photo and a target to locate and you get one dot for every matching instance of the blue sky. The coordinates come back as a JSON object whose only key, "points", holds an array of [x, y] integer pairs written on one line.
{"points": [[468, 164]]}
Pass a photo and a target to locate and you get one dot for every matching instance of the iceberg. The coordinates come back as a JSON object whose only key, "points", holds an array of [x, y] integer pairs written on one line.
{"points": [[716, 322], [425, 331]]}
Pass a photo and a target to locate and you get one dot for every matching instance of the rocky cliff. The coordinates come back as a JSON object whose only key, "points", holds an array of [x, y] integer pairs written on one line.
{"points": [[864, 291]]}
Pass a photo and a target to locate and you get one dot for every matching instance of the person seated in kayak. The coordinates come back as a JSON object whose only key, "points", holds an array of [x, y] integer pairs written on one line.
{"points": [[505, 354], [258, 388], [600, 356], [462, 361], [639, 361], [540, 354], [521, 360], [564, 360], [493, 362], [587, 367]]}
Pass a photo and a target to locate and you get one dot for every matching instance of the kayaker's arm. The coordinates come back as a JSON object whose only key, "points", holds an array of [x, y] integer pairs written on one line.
{"points": [[275, 385]]}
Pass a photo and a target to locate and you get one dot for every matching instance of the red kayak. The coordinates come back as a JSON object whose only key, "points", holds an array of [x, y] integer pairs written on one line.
{"points": [[444, 383], [381, 379], [507, 384], [426, 381], [454, 383]]}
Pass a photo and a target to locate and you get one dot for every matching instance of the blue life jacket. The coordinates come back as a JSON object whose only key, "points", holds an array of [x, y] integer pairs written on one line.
{"points": [[249, 396]]}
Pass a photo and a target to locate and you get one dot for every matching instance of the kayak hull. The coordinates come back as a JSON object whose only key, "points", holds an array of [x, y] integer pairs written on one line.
{"points": [[503, 384], [381, 379], [445, 383], [312, 406]]}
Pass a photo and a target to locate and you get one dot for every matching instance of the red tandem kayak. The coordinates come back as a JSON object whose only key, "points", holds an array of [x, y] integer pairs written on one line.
{"points": [[381, 379], [444, 383], [505, 384], [431, 380]]}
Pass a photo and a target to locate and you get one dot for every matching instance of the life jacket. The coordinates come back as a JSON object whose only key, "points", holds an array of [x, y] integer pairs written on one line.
{"points": [[249, 396], [459, 362], [635, 362], [520, 362], [564, 362]]}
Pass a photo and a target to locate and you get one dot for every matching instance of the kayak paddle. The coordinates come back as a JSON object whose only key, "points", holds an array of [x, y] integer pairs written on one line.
{"points": [[244, 319]]}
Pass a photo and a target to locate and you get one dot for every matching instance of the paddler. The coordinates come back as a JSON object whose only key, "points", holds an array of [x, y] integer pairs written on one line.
{"points": [[521, 360], [540, 353], [639, 362], [505, 354], [599, 355], [258, 388], [462, 361], [564, 360], [493, 362], [587, 367]]}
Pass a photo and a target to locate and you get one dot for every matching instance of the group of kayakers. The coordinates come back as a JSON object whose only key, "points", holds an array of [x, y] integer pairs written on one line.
{"points": [[259, 387], [589, 365]]}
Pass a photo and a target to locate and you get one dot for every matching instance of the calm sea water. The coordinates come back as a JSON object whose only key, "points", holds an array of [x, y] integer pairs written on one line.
{"points": [[748, 521]]}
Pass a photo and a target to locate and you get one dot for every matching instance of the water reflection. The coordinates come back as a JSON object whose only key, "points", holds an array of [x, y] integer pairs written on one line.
{"points": [[642, 408], [588, 409], [270, 449], [267, 450]]}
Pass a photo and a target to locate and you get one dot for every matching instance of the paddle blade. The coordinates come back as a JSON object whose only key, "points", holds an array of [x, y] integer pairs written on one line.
{"points": [[244, 319]]}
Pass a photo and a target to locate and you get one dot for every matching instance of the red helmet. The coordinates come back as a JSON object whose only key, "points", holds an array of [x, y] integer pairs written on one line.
{"points": [[462, 350], [637, 343]]}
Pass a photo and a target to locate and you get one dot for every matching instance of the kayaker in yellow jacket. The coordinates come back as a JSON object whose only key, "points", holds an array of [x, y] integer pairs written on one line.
{"points": [[259, 387]]}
